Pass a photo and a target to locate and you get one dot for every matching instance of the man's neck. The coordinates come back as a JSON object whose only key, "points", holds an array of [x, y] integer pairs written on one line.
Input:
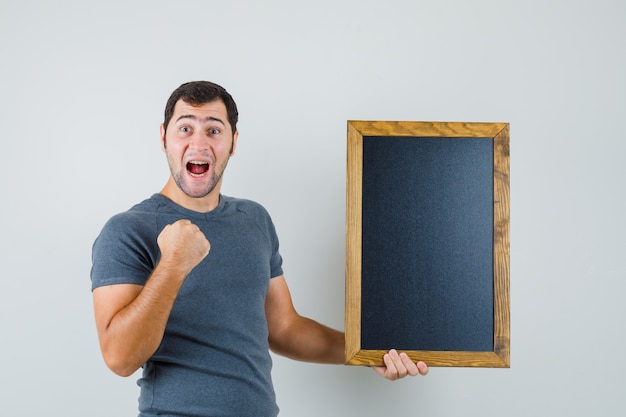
{"points": [[201, 204]]}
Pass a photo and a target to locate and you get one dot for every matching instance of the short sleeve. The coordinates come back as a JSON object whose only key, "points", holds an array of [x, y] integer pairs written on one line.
{"points": [[125, 251]]}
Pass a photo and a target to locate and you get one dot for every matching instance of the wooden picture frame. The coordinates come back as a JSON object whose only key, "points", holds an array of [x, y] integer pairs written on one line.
{"points": [[464, 137]]}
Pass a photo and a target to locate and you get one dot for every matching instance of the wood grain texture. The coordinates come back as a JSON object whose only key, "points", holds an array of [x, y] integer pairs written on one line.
{"points": [[428, 129], [501, 244], [434, 358], [354, 198], [499, 132]]}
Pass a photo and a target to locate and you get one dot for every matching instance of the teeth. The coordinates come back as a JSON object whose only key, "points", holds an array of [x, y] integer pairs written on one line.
{"points": [[194, 168]]}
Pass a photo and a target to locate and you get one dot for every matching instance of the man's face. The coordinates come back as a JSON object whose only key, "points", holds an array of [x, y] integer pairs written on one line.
{"points": [[198, 143]]}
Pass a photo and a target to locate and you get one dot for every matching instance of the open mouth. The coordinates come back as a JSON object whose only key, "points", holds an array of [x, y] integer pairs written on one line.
{"points": [[197, 168]]}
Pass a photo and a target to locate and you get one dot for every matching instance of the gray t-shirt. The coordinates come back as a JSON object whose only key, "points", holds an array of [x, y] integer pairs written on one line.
{"points": [[214, 358]]}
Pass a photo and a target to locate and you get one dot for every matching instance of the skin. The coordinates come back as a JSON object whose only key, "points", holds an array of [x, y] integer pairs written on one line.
{"points": [[131, 319]]}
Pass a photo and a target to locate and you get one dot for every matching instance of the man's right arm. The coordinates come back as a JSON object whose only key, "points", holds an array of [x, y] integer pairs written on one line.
{"points": [[131, 319]]}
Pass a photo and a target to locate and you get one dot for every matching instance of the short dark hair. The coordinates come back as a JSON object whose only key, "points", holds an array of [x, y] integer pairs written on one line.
{"points": [[197, 93]]}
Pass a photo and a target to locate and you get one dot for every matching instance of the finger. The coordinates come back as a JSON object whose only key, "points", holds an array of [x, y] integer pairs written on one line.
{"points": [[389, 369], [411, 367], [395, 365], [423, 368]]}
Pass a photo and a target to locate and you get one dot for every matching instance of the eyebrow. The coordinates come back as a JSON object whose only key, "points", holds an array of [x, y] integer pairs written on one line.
{"points": [[206, 119]]}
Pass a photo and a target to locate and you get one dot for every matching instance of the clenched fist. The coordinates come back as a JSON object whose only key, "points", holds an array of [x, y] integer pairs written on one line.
{"points": [[182, 245]]}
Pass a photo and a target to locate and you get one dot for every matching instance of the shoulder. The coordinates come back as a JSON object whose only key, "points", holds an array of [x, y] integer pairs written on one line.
{"points": [[137, 217], [139, 223], [249, 207], [250, 213], [126, 250]]}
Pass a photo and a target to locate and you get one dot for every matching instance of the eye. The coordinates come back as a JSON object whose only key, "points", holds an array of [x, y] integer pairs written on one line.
{"points": [[214, 131], [185, 129]]}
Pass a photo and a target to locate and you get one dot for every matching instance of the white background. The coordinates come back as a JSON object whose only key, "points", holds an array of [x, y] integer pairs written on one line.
{"points": [[83, 86]]}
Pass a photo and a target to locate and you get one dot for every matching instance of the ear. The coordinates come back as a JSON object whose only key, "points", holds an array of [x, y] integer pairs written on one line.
{"points": [[162, 130], [234, 147]]}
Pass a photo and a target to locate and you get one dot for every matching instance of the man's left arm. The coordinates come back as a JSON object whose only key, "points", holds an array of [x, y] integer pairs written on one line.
{"points": [[301, 338]]}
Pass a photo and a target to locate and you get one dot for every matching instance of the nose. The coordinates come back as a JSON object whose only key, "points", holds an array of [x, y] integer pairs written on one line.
{"points": [[199, 142]]}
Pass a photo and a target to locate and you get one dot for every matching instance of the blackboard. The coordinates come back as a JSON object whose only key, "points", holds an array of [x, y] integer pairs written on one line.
{"points": [[427, 267]]}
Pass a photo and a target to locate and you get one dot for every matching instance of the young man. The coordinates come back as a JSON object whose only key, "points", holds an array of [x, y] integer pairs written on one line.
{"points": [[189, 285]]}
